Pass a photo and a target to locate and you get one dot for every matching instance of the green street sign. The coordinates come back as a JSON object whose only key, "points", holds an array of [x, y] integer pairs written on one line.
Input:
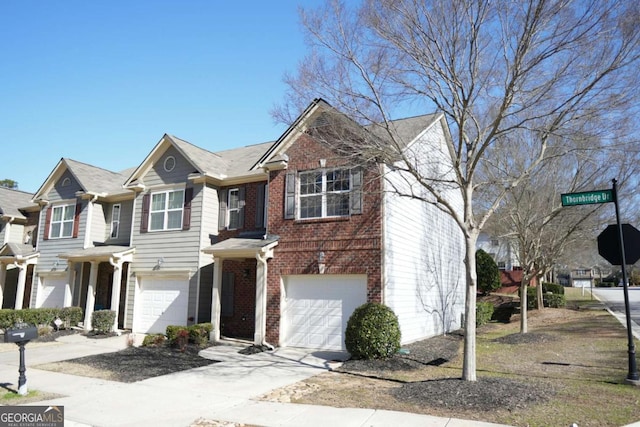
{"points": [[587, 198]]}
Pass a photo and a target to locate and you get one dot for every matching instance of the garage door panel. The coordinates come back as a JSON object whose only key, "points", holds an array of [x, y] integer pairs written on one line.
{"points": [[317, 308], [163, 302], [51, 293]]}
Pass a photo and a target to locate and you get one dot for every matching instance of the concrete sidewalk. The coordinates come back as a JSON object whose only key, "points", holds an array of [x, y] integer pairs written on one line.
{"points": [[224, 391]]}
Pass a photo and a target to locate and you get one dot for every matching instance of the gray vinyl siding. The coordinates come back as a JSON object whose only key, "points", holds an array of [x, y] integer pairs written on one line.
{"points": [[50, 249], [209, 228], [157, 176], [124, 233], [179, 249], [67, 192], [98, 223], [16, 233]]}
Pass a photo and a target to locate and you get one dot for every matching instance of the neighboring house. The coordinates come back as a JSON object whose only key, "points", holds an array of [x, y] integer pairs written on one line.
{"points": [[84, 245], [503, 251], [581, 277], [277, 243], [18, 226]]}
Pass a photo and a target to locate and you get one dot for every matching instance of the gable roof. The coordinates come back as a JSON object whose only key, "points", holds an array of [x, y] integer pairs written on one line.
{"points": [[12, 201], [222, 167], [404, 131], [92, 179]]}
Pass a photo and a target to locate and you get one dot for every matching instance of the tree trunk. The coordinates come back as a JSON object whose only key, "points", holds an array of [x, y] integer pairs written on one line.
{"points": [[524, 327], [539, 292], [469, 364]]}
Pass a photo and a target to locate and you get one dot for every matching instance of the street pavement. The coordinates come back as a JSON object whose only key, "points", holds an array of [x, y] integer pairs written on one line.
{"points": [[613, 298], [224, 391]]}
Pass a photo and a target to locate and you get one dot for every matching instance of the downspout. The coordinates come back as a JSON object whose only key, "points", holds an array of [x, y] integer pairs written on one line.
{"points": [[262, 259]]}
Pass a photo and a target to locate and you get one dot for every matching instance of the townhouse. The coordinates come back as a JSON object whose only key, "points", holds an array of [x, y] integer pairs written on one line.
{"points": [[276, 243]]}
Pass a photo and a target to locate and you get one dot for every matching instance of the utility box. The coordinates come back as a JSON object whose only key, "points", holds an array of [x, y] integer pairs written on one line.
{"points": [[23, 334]]}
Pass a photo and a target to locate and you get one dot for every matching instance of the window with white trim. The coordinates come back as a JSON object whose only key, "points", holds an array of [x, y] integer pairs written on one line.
{"points": [[233, 207], [165, 212], [115, 221], [324, 193], [62, 221]]}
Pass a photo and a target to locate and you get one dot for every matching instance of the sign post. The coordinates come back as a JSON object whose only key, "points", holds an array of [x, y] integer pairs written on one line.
{"points": [[633, 376], [607, 196]]}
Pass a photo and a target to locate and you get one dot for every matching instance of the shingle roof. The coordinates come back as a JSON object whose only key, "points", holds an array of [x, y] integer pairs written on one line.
{"points": [[12, 200], [12, 250], [97, 180], [405, 130], [230, 163]]}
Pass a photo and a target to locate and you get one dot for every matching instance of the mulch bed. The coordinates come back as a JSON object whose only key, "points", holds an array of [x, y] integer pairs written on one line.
{"points": [[485, 394], [139, 363]]}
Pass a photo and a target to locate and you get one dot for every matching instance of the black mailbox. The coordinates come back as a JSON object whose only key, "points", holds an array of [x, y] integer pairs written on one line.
{"points": [[18, 335]]}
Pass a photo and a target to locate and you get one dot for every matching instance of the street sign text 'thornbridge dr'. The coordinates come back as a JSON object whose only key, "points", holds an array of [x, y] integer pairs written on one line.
{"points": [[587, 197]]}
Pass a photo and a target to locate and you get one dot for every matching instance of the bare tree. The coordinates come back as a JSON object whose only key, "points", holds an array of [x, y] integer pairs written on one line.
{"points": [[530, 71]]}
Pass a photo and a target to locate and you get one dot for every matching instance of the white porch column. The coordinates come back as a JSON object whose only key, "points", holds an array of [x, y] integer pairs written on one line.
{"points": [[260, 333], [91, 295], [68, 289], [115, 289], [3, 280], [215, 298], [22, 279]]}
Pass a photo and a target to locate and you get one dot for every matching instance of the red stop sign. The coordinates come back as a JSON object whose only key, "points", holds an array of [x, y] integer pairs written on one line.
{"points": [[609, 244]]}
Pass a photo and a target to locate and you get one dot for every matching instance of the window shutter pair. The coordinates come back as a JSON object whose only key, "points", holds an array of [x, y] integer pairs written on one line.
{"points": [[76, 221], [355, 202], [186, 210]]}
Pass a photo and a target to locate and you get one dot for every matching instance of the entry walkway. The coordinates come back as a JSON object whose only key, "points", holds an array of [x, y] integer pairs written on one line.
{"points": [[222, 391]]}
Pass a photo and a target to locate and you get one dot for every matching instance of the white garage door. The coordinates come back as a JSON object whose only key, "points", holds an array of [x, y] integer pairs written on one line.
{"points": [[316, 309], [581, 283], [51, 292], [162, 302]]}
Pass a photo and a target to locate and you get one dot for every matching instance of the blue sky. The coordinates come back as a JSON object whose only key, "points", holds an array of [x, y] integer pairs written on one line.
{"points": [[101, 81]]}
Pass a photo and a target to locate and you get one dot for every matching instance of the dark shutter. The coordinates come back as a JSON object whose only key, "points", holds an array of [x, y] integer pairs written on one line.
{"points": [[241, 197], [222, 211], [356, 192], [47, 223], [290, 196], [186, 213], [144, 220], [76, 220], [260, 207]]}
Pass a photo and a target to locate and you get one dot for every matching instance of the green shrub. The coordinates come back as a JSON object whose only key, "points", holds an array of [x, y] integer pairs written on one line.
{"points": [[103, 320], [373, 332], [153, 340], [487, 272], [484, 311], [549, 299], [554, 300], [553, 288], [7, 318], [199, 333], [70, 317], [172, 332], [38, 316]]}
